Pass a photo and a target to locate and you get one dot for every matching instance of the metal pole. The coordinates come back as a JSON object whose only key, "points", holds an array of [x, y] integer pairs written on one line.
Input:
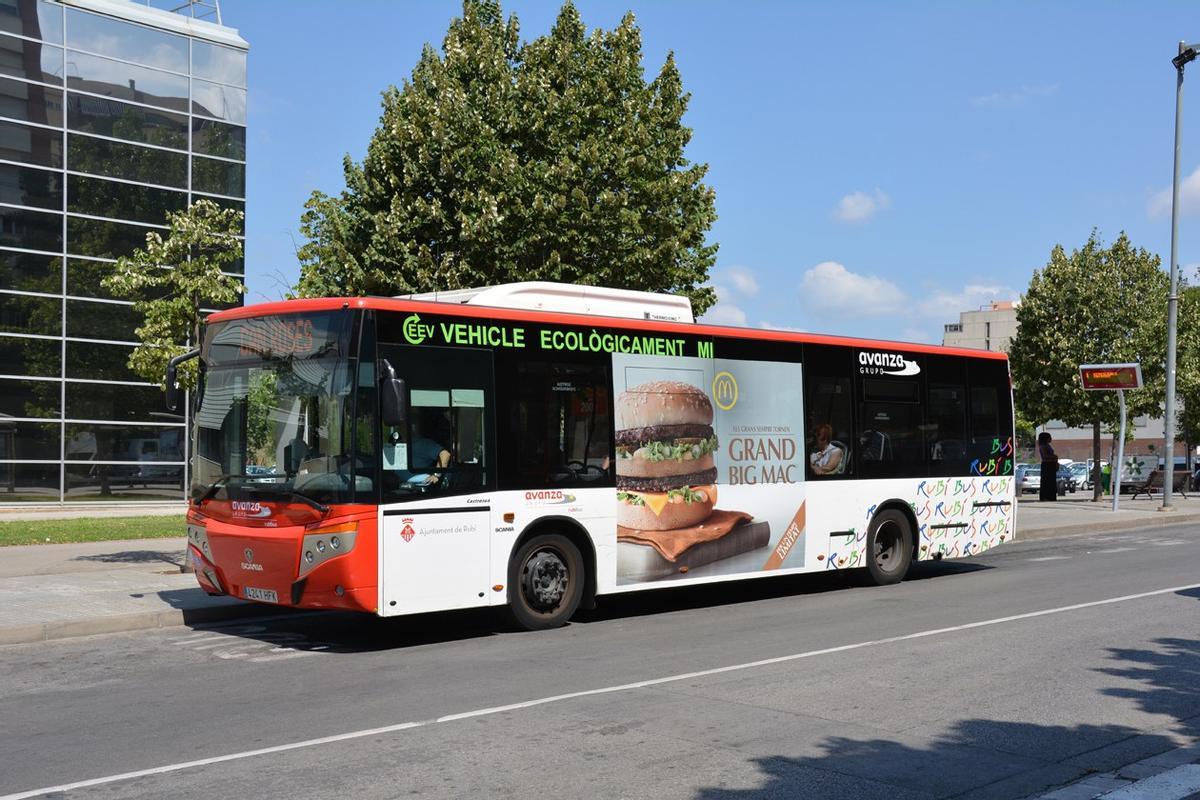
{"points": [[1172, 299], [1116, 470]]}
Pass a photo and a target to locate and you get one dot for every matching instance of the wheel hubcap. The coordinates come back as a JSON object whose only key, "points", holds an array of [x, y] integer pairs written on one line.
{"points": [[887, 544], [544, 580]]}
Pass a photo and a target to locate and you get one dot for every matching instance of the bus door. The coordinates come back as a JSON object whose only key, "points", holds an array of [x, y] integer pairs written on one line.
{"points": [[437, 477]]}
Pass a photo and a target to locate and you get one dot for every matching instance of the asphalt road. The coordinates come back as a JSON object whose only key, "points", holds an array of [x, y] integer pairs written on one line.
{"points": [[1000, 676]]}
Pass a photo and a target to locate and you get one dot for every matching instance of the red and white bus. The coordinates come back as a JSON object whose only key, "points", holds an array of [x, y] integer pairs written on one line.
{"points": [[397, 456]]}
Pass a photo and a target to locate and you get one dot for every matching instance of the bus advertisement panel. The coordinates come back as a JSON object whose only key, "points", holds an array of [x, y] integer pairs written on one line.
{"points": [[709, 468]]}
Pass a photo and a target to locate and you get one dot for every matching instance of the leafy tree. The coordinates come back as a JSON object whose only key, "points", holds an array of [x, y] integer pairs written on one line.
{"points": [[501, 161], [173, 278], [1096, 305], [261, 398], [1026, 434], [1187, 366]]}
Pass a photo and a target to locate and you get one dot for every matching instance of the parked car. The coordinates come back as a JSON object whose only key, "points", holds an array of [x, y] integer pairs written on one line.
{"points": [[1066, 480], [1029, 478], [1081, 474]]}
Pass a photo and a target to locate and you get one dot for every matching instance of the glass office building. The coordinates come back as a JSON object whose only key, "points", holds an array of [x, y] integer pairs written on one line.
{"points": [[112, 114]]}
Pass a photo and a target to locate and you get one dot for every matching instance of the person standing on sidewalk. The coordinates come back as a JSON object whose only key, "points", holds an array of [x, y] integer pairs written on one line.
{"points": [[1049, 488]]}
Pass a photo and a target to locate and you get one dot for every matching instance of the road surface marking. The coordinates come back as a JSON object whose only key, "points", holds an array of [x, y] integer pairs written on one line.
{"points": [[558, 698], [1051, 558], [1169, 543], [1115, 550]]}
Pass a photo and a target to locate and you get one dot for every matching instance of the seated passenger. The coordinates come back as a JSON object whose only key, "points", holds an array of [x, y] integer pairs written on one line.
{"points": [[826, 457]]}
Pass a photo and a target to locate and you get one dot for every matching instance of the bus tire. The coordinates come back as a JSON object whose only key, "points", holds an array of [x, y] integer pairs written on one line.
{"points": [[545, 582], [889, 547]]}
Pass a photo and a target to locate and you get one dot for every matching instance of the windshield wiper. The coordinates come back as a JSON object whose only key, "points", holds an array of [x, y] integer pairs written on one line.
{"points": [[303, 498], [224, 479], [216, 487]]}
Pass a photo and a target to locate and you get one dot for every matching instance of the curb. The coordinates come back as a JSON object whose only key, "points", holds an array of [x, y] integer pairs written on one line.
{"points": [[122, 623], [1104, 526]]}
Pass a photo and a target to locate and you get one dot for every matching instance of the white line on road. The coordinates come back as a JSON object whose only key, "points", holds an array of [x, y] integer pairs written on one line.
{"points": [[1115, 550], [1051, 558], [486, 712]]}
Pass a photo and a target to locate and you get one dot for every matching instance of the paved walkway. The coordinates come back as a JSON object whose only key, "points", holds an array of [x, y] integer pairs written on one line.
{"points": [[1076, 513]]}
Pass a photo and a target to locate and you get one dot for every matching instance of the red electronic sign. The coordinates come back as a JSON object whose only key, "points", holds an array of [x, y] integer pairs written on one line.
{"points": [[1111, 376]]}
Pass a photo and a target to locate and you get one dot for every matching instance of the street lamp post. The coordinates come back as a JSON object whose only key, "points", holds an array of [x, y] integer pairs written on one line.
{"points": [[1187, 53]]}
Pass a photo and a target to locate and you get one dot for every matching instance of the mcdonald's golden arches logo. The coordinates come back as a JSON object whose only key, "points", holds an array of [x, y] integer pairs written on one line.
{"points": [[725, 391]]}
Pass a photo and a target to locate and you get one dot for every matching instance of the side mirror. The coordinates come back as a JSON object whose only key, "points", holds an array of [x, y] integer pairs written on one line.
{"points": [[393, 397], [174, 393]]}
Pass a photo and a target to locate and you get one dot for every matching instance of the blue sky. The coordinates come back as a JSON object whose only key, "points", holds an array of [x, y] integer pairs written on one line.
{"points": [[879, 167]]}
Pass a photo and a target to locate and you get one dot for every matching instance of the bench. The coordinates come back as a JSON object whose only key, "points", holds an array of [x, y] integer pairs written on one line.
{"points": [[1154, 483]]}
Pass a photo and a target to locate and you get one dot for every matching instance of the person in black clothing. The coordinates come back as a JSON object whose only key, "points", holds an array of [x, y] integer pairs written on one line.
{"points": [[1049, 489]]}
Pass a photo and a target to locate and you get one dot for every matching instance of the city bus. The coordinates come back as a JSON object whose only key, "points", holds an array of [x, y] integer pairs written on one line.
{"points": [[536, 446]]}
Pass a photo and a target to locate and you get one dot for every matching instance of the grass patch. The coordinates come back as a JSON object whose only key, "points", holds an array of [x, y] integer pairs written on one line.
{"points": [[90, 529]]}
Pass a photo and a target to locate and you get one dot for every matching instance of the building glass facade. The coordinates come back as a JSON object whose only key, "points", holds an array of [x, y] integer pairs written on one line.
{"points": [[111, 115]]}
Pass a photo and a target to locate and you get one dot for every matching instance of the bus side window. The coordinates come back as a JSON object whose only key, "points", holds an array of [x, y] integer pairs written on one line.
{"points": [[829, 432], [442, 446], [947, 446], [991, 415], [556, 419], [889, 428]]}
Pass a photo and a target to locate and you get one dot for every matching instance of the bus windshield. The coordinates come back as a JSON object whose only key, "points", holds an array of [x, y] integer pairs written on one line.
{"points": [[274, 421]]}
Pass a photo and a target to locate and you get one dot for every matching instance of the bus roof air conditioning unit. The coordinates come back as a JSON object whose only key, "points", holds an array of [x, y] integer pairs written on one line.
{"points": [[569, 299]]}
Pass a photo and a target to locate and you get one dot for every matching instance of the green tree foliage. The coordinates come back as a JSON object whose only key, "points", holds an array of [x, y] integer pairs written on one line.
{"points": [[1095, 305], [261, 398], [172, 278], [501, 161], [1187, 365]]}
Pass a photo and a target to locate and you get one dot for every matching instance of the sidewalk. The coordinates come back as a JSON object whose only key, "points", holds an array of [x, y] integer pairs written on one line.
{"points": [[57, 591], [63, 590], [1077, 514]]}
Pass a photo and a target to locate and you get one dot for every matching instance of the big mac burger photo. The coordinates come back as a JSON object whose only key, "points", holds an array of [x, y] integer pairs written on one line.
{"points": [[666, 478]]}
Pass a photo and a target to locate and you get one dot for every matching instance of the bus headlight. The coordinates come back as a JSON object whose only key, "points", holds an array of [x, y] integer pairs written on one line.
{"points": [[322, 544], [198, 538]]}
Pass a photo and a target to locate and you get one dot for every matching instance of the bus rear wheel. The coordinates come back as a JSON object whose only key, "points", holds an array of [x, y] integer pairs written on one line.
{"points": [[889, 547], [545, 582]]}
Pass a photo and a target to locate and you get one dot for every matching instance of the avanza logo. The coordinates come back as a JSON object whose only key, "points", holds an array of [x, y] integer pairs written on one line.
{"points": [[549, 497], [249, 509], [879, 363]]}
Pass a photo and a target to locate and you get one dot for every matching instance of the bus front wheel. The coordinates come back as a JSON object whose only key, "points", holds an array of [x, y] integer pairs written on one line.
{"points": [[889, 547], [545, 582]]}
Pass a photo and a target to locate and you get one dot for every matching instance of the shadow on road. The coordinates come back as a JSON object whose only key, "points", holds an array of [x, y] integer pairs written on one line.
{"points": [[979, 758], [682, 598], [340, 631], [175, 559]]}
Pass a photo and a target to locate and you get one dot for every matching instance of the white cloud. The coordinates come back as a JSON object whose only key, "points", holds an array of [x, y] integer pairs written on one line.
{"points": [[829, 288], [941, 306], [861, 206], [916, 335], [771, 326], [1189, 197], [723, 312], [1013, 99], [743, 280]]}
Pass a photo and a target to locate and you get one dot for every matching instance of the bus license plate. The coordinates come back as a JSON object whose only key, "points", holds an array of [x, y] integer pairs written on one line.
{"points": [[265, 595]]}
